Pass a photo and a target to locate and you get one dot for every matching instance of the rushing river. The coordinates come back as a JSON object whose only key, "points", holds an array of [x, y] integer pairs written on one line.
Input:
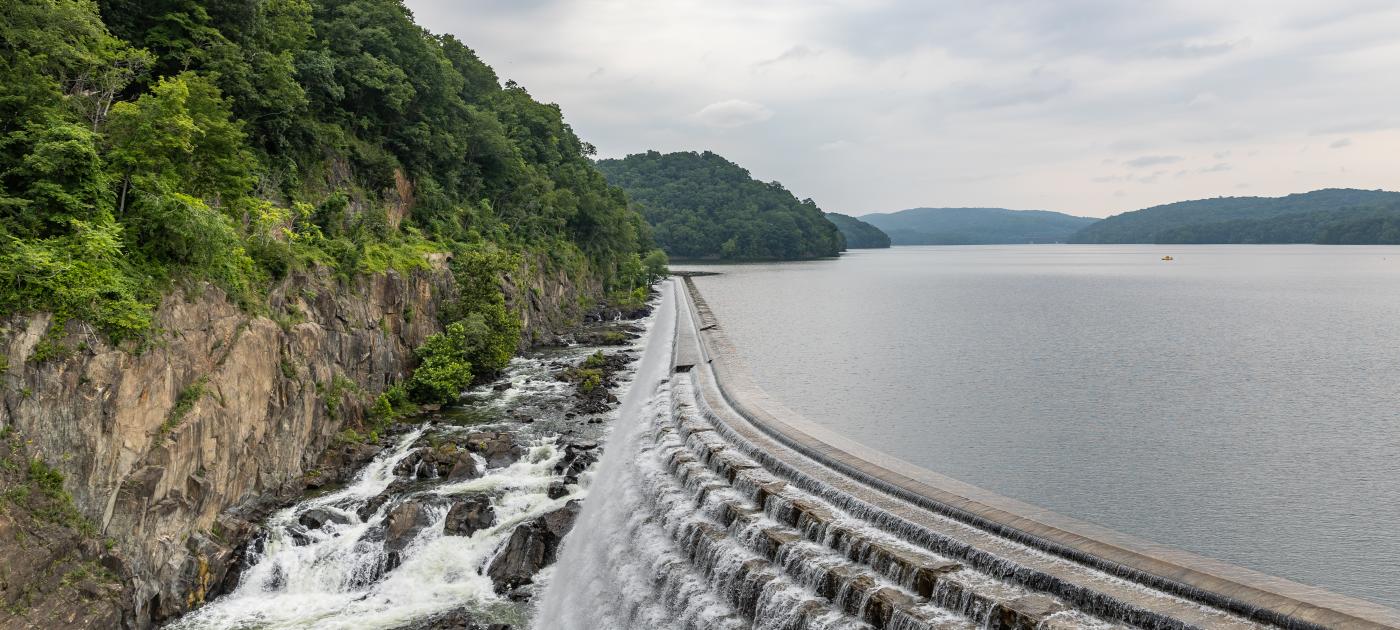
{"points": [[1242, 402], [339, 560]]}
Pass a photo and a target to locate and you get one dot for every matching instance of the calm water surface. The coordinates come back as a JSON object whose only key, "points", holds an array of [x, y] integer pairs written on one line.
{"points": [[1242, 402]]}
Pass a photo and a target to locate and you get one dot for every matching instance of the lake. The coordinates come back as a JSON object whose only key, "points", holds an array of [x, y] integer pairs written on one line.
{"points": [[1241, 402]]}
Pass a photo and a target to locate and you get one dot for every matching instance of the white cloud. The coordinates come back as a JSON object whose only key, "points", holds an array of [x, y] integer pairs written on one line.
{"points": [[1153, 160], [967, 103], [1340, 144], [733, 113]]}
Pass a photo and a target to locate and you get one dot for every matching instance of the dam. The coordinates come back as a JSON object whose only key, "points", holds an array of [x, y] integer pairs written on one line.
{"points": [[716, 507]]}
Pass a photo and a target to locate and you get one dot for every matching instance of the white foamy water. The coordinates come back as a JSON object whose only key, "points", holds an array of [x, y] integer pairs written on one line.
{"points": [[586, 574], [329, 582], [335, 576]]}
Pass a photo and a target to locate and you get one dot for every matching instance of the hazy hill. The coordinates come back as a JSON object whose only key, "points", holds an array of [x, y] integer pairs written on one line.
{"points": [[859, 234], [701, 205], [1334, 215], [976, 226]]}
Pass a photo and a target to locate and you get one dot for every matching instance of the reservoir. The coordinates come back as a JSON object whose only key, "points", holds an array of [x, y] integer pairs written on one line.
{"points": [[1241, 402]]}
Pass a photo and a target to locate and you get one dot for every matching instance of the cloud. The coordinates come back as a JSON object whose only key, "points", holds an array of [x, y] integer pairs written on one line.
{"points": [[1196, 50], [733, 113], [1153, 160], [1204, 99], [1041, 93], [796, 52], [1218, 168], [1341, 144], [1357, 126]]}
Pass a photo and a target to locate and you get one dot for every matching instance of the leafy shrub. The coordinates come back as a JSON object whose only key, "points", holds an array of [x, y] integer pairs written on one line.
{"points": [[444, 371]]}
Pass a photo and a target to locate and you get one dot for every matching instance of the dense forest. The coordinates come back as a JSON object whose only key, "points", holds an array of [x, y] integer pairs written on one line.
{"points": [[1343, 226], [858, 234], [148, 143], [1336, 216], [976, 226], [701, 205]]}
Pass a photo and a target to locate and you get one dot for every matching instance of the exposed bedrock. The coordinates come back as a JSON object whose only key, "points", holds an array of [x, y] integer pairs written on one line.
{"points": [[175, 450]]}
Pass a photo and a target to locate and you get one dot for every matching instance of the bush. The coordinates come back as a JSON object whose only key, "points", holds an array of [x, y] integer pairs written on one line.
{"points": [[444, 371]]}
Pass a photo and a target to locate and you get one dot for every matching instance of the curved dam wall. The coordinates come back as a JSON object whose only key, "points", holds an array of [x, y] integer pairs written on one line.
{"points": [[719, 508], [1204, 581]]}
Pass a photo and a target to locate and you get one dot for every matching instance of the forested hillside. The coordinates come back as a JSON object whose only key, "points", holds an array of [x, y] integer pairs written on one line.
{"points": [[146, 143], [976, 226], [1333, 215], [701, 205], [858, 234]]}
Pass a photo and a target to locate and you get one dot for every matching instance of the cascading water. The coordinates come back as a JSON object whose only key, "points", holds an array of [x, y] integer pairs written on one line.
{"points": [[390, 549], [690, 525], [594, 573], [339, 575]]}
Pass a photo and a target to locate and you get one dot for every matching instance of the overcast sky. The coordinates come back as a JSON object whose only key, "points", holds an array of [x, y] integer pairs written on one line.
{"points": [[1090, 107]]}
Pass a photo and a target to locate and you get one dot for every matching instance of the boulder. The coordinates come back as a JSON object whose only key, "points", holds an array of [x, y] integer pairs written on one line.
{"points": [[433, 462], [497, 447], [454, 620], [469, 516], [401, 526], [532, 546], [316, 518], [339, 464], [578, 456]]}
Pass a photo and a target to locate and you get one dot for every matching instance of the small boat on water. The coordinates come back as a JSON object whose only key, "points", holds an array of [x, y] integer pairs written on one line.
{"points": [[1168, 258]]}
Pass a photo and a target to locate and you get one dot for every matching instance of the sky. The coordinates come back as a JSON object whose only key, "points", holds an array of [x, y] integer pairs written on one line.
{"points": [[1090, 107]]}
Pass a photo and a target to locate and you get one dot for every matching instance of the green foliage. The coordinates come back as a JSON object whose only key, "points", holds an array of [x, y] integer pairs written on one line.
{"points": [[51, 346], [45, 478], [1320, 216], [858, 234], [334, 394], [656, 265], [238, 142], [589, 380], [444, 371], [184, 402], [595, 360], [701, 205], [392, 404]]}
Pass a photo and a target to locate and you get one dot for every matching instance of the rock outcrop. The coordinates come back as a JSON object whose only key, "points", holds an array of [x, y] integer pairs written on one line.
{"points": [[532, 546], [175, 450]]}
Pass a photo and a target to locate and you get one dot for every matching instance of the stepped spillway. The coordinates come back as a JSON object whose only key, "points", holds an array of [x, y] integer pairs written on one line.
{"points": [[717, 508]]}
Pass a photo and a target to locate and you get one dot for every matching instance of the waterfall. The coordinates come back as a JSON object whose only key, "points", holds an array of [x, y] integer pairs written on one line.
{"points": [[691, 521], [584, 591], [690, 524]]}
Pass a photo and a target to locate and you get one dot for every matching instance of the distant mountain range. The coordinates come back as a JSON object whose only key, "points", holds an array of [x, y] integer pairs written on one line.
{"points": [[858, 234], [1330, 216], [1333, 216], [976, 226]]}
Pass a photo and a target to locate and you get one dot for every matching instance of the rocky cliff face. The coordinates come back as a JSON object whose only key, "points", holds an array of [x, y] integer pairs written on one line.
{"points": [[547, 297], [174, 452]]}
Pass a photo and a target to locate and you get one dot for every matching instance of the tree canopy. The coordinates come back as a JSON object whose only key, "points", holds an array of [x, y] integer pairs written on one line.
{"points": [[146, 141], [1334, 215], [858, 234], [701, 205]]}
